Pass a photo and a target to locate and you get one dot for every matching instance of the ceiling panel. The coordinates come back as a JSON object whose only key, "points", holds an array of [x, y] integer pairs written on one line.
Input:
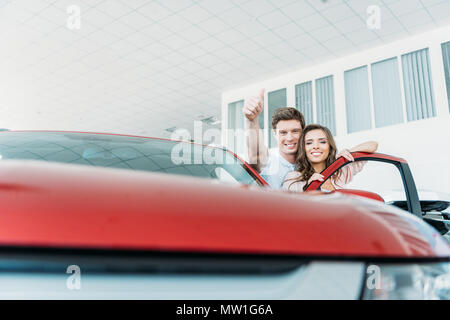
{"points": [[141, 66]]}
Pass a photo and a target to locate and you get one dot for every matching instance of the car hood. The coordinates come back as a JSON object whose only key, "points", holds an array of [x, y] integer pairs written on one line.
{"points": [[71, 206]]}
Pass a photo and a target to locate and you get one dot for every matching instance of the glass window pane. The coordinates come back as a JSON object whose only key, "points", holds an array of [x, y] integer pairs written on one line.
{"points": [[303, 100], [387, 100], [325, 103], [261, 117], [125, 152], [236, 133], [231, 115], [277, 99], [357, 99], [446, 58], [418, 85]]}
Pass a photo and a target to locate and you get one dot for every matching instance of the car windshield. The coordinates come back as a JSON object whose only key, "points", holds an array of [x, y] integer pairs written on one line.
{"points": [[133, 153]]}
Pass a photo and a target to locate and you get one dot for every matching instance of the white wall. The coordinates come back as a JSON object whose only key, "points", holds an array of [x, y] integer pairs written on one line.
{"points": [[425, 144]]}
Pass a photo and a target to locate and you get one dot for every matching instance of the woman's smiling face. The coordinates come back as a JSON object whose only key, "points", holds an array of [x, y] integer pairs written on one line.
{"points": [[317, 146]]}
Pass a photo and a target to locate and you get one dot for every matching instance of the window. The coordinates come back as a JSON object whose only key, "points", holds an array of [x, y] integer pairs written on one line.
{"points": [[446, 56], [125, 152], [303, 100], [387, 100], [418, 85], [382, 178], [261, 117], [325, 103], [236, 133], [357, 99], [277, 99]]}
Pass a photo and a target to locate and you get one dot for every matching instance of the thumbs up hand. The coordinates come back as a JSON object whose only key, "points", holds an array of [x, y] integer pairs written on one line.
{"points": [[253, 106]]}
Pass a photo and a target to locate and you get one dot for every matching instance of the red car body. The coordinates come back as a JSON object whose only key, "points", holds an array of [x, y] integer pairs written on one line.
{"points": [[63, 206]]}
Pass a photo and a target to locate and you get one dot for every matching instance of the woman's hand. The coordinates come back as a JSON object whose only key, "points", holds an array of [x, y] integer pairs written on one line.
{"points": [[315, 176], [346, 154]]}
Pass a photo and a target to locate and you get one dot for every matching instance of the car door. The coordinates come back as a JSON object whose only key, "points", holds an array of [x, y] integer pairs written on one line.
{"points": [[377, 184]]}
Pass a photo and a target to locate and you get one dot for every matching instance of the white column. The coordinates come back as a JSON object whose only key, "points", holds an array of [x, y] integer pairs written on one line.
{"points": [[290, 95], [339, 104]]}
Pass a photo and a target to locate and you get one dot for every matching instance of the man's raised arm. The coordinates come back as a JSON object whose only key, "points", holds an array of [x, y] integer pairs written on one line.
{"points": [[257, 150]]}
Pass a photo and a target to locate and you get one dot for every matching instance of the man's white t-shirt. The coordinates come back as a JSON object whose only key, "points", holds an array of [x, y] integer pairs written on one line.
{"points": [[276, 169]]}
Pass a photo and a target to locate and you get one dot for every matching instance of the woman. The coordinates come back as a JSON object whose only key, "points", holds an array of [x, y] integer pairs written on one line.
{"points": [[318, 151]]}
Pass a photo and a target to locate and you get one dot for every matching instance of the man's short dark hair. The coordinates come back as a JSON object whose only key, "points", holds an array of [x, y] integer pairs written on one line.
{"points": [[287, 113]]}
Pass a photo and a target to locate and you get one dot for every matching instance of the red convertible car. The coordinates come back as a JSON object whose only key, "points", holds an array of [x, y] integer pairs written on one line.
{"points": [[103, 216]]}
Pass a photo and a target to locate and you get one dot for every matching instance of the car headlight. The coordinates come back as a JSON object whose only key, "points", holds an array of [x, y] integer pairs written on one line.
{"points": [[408, 282]]}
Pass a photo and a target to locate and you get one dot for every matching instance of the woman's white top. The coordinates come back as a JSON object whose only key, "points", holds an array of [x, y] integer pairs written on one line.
{"points": [[347, 173]]}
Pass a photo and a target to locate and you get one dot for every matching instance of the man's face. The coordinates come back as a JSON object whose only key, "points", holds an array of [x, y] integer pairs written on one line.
{"points": [[288, 134]]}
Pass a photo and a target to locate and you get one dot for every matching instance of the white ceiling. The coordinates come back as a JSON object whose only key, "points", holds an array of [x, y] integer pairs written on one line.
{"points": [[141, 66]]}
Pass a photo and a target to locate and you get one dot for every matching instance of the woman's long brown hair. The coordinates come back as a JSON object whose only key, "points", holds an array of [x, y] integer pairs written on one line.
{"points": [[304, 166]]}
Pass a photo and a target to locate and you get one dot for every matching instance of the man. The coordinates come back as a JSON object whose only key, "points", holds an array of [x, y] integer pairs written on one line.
{"points": [[287, 124]]}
